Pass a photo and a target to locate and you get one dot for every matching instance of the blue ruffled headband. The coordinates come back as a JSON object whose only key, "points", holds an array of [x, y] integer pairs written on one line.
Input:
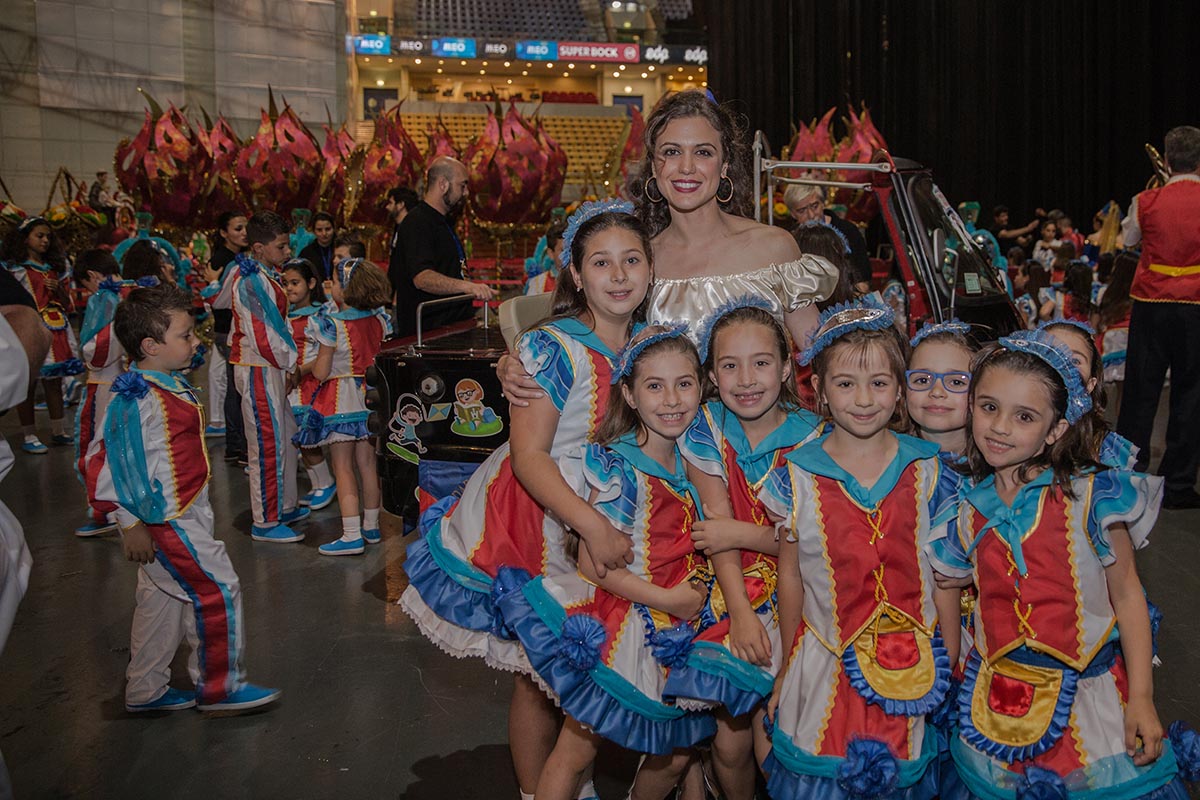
{"points": [[867, 314], [710, 323], [345, 268], [29, 222], [1074, 323], [1044, 346], [934, 328], [820, 223], [583, 214], [651, 334]]}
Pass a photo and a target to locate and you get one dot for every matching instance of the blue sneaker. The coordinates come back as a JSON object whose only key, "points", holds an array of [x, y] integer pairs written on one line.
{"points": [[279, 533], [319, 498], [62, 439], [340, 547], [72, 391], [295, 515], [94, 529], [213, 431], [372, 535], [243, 699], [170, 700], [34, 447]]}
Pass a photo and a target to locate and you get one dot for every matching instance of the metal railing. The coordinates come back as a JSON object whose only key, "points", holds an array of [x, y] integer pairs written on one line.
{"points": [[454, 298]]}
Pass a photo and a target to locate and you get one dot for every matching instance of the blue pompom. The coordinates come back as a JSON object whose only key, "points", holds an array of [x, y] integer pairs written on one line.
{"points": [[1186, 745], [1041, 784], [582, 636], [311, 420], [198, 358], [246, 264], [110, 284], [672, 646], [869, 771], [147, 281], [131, 385]]}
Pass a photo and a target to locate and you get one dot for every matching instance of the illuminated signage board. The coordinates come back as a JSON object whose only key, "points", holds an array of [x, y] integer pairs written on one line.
{"points": [[454, 48], [537, 51], [599, 51], [366, 44]]}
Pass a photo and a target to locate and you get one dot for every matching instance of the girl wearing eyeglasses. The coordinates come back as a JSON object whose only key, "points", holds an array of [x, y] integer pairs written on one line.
{"points": [[938, 379]]}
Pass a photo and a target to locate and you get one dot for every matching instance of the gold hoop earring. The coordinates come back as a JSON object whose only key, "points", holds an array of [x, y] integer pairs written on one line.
{"points": [[730, 197], [646, 190]]}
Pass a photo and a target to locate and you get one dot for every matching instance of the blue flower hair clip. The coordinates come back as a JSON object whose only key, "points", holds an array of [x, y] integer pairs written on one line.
{"points": [[1044, 346], [110, 284], [583, 214], [820, 223], [147, 281], [934, 328], [651, 334], [866, 314], [1074, 323], [710, 323]]}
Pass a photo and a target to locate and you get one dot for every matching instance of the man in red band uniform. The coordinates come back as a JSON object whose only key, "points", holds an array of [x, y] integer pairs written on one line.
{"points": [[1164, 327]]}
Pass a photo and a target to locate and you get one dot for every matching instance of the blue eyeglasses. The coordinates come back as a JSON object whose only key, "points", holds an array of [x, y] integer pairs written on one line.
{"points": [[922, 380]]}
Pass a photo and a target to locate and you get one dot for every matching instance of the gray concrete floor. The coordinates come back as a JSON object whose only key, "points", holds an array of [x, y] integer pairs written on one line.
{"points": [[370, 709]]}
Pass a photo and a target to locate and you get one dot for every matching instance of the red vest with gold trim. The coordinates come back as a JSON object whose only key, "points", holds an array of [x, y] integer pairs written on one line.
{"points": [[1169, 269]]}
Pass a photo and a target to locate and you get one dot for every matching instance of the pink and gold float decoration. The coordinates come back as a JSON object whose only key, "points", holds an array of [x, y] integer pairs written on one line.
{"points": [[516, 170], [391, 159], [164, 166], [280, 166], [221, 190], [815, 142]]}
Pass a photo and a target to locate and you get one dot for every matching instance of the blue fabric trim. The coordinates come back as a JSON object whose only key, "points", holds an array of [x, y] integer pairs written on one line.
{"points": [[866, 314], [101, 308], [651, 334], [902, 708], [1004, 752], [590, 209], [599, 697], [465, 603], [704, 335], [812, 458], [137, 492], [1047, 348], [60, 369], [712, 673], [252, 292], [548, 363], [792, 771]]}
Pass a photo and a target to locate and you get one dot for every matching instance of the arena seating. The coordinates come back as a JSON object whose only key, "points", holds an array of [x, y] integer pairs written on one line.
{"points": [[513, 19]]}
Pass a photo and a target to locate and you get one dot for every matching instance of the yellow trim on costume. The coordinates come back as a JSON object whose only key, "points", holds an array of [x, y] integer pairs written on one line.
{"points": [[1030, 727], [1072, 555], [1174, 272], [819, 516], [830, 702], [906, 683]]}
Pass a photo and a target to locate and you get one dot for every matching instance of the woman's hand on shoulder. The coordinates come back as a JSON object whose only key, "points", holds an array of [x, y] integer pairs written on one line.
{"points": [[518, 386]]}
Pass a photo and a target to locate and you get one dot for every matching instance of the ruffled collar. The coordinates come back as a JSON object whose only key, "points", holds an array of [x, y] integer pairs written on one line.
{"points": [[1010, 522], [574, 327], [304, 311], [352, 313], [813, 458], [627, 448], [755, 462], [136, 382]]}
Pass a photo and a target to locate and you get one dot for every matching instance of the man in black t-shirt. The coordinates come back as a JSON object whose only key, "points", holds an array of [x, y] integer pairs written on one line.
{"points": [[428, 259]]}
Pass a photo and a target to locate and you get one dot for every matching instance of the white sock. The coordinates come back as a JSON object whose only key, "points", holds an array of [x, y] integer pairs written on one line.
{"points": [[587, 790], [320, 477], [526, 795], [30, 432], [371, 519], [312, 477], [57, 426], [351, 529]]}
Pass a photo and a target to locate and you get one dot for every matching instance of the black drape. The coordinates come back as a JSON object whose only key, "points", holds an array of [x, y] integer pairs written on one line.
{"points": [[1026, 104]]}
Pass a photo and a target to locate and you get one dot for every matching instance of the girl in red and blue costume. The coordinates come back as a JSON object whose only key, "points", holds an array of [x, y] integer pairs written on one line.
{"points": [[34, 255], [602, 644], [736, 441], [1057, 699], [513, 510], [857, 597]]}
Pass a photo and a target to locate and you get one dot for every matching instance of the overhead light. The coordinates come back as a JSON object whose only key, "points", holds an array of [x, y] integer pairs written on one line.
{"points": [[416, 61], [622, 68], [439, 71], [593, 66], [366, 60], [566, 74], [704, 83], [570, 66], [463, 63], [485, 63], [691, 78], [507, 64], [616, 74], [549, 65], [702, 69], [644, 75], [374, 13], [510, 81], [628, 90], [524, 72], [650, 68], [616, 5], [528, 65], [441, 62], [379, 82], [483, 72]]}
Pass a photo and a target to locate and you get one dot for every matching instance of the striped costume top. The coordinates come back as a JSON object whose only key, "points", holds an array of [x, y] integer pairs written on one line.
{"points": [[261, 336]]}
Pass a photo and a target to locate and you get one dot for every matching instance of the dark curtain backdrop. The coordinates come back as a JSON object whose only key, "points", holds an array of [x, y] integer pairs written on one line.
{"points": [[1026, 104]]}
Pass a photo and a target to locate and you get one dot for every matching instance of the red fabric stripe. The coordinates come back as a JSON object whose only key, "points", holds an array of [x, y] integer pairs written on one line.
{"points": [[87, 430], [212, 621], [103, 346], [852, 717], [185, 440]]}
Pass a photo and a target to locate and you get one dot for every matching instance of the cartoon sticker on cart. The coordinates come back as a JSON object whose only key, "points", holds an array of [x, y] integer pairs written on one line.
{"points": [[403, 439], [471, 416]]}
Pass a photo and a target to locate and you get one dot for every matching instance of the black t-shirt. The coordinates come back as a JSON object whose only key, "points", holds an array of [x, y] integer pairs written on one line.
{"points": [[425, 240], [12, 293], [321, 259], [222, 317]]}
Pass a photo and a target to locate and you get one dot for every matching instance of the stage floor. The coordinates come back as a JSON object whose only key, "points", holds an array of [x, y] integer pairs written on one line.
{"points": [[370, 709]]}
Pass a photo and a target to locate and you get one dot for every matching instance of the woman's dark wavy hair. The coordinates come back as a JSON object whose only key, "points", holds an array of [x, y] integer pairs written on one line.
{"points": [[1067, 456], [735, 155], [223, 221], [16, 249], [1115, 304], [789, 399], [620, 418], [568, 300], [822, 240]]}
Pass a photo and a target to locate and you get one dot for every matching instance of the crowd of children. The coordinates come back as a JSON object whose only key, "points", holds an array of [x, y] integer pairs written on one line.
{"points": [[298, 363], [924, 589]]}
